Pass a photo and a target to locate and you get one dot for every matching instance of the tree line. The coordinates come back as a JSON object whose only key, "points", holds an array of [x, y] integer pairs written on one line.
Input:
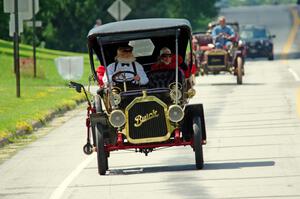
{"points": [[65, 23]]}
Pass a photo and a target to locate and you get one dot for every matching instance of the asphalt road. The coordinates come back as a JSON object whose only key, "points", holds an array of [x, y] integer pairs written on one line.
{"points": [[253, 148]]}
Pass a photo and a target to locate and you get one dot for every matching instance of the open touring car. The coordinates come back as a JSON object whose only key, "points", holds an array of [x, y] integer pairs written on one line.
{"points": [[124, 116], [215, 60]]}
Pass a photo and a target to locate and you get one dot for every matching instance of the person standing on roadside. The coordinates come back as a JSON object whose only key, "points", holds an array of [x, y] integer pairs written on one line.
{"points": [[98, 23]]}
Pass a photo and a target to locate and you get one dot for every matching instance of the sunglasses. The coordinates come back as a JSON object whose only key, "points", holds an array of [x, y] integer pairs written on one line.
{"points": [[166, 55], [127, 49]]}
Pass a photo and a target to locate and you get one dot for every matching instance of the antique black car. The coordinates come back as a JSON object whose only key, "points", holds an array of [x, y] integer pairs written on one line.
{"points": [[212, 60], [259, 41], [142, 117]]}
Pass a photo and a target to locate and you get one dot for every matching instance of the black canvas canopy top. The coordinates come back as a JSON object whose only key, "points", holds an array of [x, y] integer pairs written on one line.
{"points": [[138, 25], [161, 31]]}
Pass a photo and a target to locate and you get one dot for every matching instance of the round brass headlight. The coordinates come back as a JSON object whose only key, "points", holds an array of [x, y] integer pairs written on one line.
{"points": [[173, 94], [116, 98], [117, 118], [191, 93], [172, 88], [176, 113]]}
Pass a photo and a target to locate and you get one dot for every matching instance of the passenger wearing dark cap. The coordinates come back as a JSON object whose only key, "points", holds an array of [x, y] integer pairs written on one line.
{"points": [[125, 61]]}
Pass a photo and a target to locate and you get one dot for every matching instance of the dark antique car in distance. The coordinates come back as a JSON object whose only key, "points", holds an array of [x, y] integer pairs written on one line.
{"points": [[212, 60], [259, 41], [146, 117]]}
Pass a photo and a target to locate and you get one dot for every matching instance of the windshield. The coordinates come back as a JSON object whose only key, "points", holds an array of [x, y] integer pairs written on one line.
{"points": [[142, 47], [253, 34]]}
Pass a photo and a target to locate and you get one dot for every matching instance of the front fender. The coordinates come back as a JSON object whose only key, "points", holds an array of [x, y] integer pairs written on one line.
{"points": [[237, 53], [191, 111]]}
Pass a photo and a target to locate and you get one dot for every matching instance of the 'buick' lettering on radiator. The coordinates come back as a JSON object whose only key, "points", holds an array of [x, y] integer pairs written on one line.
{"points": [[216, 60], [139, 119]]}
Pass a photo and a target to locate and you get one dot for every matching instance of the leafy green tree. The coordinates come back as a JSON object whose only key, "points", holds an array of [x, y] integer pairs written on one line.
{"points": [[199, 13], [4, 23], [66, 22]]}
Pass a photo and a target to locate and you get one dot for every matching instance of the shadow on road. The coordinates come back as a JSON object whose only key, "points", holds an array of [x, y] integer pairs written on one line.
{"points": [[237, 165], [229, 84], [234, 84], [189, 167], [293, 55], [278, 56]]}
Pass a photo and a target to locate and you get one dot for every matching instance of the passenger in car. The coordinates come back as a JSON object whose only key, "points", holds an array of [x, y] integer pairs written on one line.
{"points": [[192, 69], [100, 74], [167, 61], [209, 28], [125, 61]]}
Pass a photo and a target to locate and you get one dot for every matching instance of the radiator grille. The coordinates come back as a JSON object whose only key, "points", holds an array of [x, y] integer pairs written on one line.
{"points": [[216, 60], [147, 120]]}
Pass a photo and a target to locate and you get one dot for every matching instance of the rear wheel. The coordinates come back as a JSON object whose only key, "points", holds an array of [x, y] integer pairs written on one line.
{"points": [[239, 70], [202, 70], [98, 106], [198, 142], [271, 57], [101, 153]]}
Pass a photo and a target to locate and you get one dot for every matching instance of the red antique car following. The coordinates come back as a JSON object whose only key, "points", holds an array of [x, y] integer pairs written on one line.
{"points": [[215, 60]]}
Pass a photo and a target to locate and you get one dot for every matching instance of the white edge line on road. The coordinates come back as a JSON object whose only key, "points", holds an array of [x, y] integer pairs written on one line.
{"points": [[295, 75], [58, 192]]}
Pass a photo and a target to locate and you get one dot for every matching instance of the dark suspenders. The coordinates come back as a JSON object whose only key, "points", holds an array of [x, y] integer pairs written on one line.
{"points": [[116, 63], [134, 68]]}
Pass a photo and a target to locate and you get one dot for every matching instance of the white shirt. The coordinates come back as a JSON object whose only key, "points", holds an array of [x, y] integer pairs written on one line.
{"points": [[139, 70]]}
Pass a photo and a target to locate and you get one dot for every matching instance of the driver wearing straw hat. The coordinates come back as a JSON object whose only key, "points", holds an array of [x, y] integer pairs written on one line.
{"points": [[125, 61]]}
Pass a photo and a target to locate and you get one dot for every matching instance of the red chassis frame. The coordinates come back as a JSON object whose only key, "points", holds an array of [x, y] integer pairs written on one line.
{"points": [[120, 145]]}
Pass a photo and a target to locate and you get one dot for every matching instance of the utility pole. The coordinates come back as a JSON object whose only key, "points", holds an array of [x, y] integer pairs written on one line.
{"points": [[119, 11], [33, 39], [16, 49]]}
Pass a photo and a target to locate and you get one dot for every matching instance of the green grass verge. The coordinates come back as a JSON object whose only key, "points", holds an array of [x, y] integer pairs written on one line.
{"points": [[39, 96]]}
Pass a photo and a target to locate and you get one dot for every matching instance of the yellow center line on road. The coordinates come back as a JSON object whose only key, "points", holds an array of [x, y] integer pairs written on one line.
{"points": [[298, 102], [292, 36], [288, 45]]}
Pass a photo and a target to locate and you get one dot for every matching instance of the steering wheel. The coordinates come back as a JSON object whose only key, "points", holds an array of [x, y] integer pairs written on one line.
{"points": [[223, 35], [120, 77]]}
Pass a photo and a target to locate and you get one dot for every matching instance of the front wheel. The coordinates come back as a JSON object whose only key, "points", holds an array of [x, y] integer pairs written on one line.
{"points": [[101, 153], [239, 70], [198, 143]]}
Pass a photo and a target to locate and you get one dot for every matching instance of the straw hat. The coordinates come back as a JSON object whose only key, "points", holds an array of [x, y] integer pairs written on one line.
{"points": [[124, 54]]}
